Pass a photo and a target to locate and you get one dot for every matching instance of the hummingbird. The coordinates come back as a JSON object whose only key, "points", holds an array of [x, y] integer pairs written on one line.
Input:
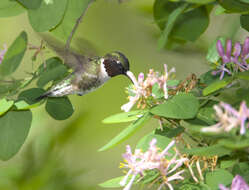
{"points": [[88, 73]]}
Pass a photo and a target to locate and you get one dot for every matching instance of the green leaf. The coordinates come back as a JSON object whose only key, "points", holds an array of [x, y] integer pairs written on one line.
{"points": [[213, 55], [5, 106], [127, 132], [206, 114], [169, 132], [10, 8], [14, 130], [244, 22], [30, 96], [176, 24], [245, 1], [14, 55], [157, 91], [200, 1], [234, 6], [219, 10], [224, 164], [59, 108], [47, 16], [181, 106], [197, 18], [162, 143], [234, 144], [54, 70], [242, 169], [74, 9], [112, 183], [220, 176], [34, 4], [170, 24], [124, 117], [217, 85], [215, 150], [243, 75], [207, 78], [172, 83], [22, 105]]}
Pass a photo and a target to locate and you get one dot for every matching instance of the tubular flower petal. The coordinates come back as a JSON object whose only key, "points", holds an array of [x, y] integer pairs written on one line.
{"points": [[229, 118], [238, 183], [140, 162], [142, 88], [234, 59]]}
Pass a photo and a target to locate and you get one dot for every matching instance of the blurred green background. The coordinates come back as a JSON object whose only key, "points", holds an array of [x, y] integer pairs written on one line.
{"points": [[63, 154]]}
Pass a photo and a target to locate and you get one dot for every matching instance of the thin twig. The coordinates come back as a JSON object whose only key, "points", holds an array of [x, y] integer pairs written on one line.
{"points": [[78, 21]]}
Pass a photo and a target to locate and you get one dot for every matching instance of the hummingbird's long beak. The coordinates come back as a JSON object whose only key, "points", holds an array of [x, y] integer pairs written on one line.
{"points": [[131, 76]]}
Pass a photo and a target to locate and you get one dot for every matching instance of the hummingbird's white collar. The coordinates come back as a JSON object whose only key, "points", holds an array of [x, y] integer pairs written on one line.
{"points": [[103, 73]]}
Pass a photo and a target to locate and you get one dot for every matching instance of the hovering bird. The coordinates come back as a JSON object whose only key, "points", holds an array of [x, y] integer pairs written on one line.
{"points": [[89, 73]]}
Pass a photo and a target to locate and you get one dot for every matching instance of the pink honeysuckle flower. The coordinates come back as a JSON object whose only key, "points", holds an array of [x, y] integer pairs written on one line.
{"points": [[222, 69], [230, 118], [238, 183], [2, 52], [245, 50], [226, 57], [152, 159], [238, 57], [142, 88]]}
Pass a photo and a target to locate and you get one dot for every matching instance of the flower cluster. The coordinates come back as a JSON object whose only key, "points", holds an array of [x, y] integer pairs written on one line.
{"points": [[141, 162], [2, 52], [233, 58], [238, 183], [230, 118], [142, 88]]}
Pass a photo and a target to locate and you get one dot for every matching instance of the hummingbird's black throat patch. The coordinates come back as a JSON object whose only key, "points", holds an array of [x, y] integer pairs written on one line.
{"points": [[113, 67]]}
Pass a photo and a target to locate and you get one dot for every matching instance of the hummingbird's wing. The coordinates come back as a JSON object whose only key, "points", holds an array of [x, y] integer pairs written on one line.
{"points": [[72, 58], [85, 47]]}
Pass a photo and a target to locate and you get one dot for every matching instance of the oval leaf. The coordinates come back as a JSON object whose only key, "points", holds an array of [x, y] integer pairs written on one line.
{"points": [[59, 108], [181, 106], [73, 12], [30, 96], [197, 18], [215, 86], [22, 105], [124, 117], [170, 24], [215, 150], [14, 129], [112, 183], [234, 144], [128, 131], [34, 4], [54, 70], [47, 16], [243, 75], [14, 55], [220, 176]]}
